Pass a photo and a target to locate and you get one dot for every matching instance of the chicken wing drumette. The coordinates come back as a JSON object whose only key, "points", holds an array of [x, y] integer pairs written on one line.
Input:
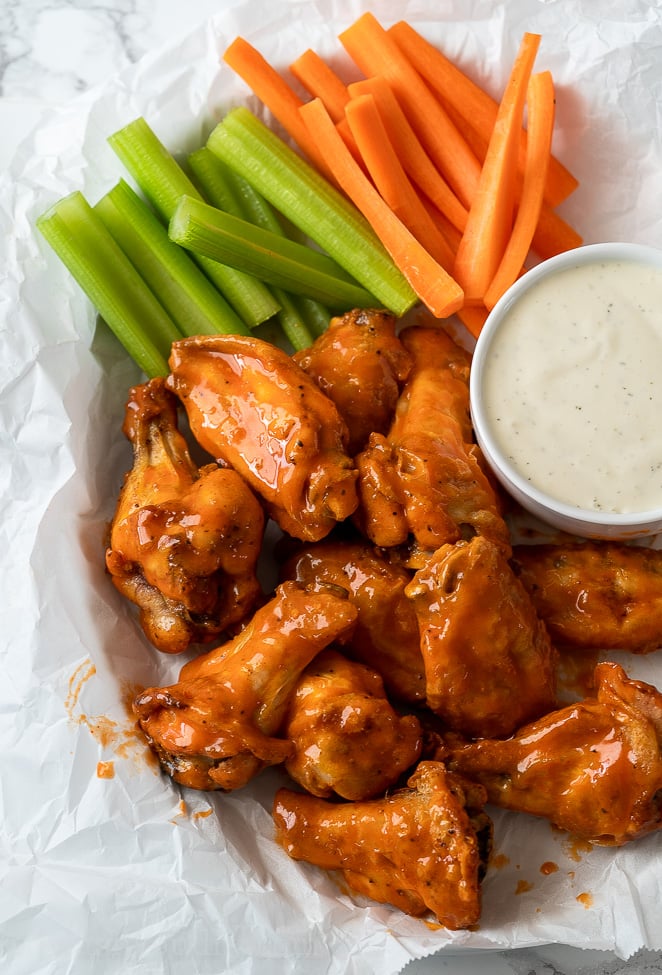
{"points": [[592, 768], [425, 480], [250, 405], [361, 365], [386, 635], [489, 662], [348, 738], [216, 727], [184, 542], [595, 595], [423, 848]]}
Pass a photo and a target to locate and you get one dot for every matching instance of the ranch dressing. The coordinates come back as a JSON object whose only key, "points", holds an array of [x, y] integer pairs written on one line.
{"points": [[573, 386]]}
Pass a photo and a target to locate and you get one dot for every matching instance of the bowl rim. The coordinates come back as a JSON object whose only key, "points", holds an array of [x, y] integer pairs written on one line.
{"points": [[585, 254]]}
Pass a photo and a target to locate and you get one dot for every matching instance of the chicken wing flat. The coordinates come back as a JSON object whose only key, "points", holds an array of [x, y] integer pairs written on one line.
{"points": [[348, 739], [592, 768], [215, 728], [595, 595], [184, 542], [386, 636], [251, 406], [420, 849], [425, 478], [489, 662], [361, 365]]}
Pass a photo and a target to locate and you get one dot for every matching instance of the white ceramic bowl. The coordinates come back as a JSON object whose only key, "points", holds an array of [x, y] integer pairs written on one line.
{"points": [[534, 494]]}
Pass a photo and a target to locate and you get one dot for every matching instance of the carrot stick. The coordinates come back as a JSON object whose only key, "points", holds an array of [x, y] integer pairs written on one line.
{"points": [[433, 285], [388, 175], [490, 220], [540, 109], [477, 108], [473, 318], [321, 81], [274, 92], [415, 161], [554, 235], [376, 53]]}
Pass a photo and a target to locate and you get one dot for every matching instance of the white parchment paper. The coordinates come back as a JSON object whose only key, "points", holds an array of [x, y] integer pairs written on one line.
{"points": [[110, 867]]}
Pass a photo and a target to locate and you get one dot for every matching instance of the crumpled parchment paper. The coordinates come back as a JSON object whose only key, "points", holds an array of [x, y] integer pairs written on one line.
{"points": [[106, 865]]}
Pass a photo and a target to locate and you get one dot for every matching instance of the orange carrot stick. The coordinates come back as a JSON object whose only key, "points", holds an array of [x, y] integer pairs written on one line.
{"points": [[376, 53], [321, 81], [415, 161], [473, 317], [274, 92], [540, 111], [433, 285], [388, 175], [554, 235], [490, 220], [478, 109]]}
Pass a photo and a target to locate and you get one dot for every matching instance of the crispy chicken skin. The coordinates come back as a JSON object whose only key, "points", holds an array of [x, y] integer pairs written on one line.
{"points": [[592, 768], [422, 848], [489, 662], [595, 595], [251, 406], [184, 542], [348, 738], [216, 727], [361, 365], [425, 477], [386, 636]]}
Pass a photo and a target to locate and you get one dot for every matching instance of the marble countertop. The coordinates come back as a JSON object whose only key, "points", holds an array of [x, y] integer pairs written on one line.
{"points": [[50, 52]]}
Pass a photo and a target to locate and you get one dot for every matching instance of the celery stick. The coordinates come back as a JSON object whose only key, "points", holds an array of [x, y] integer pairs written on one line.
{"points": [[163, 181], [294, 267], [306, 198], [227, 191], [191, 300], [122, 298], [256, 209]]}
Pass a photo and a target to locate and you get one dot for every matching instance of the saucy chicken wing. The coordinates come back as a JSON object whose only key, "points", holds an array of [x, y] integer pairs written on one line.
{"points": [[592, 768], [425, 479], [595, 595], [361, 365], [251, 406], [215, 728], [489, 662], [184, 542], [386, 636], [348, 739], [423, 848]]}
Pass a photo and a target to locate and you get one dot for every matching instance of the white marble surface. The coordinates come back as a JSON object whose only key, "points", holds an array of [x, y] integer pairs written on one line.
{"points": [[50, 52]]}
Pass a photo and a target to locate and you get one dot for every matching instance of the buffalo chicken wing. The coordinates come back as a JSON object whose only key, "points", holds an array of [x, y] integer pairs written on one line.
{"points": [[425, 480], [386, 636], [593, 768], [215, 728], [252, 407], [184, 542], [348, 738], [361, 365], [422, 848], [489, 662], [595, 595]]}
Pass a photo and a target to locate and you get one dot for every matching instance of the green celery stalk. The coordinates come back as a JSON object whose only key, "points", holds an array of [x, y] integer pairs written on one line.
{"points": [[163, 181], [294, 267], [315, 315], [311, 203], [189, 297], [84, 245], [260, 212], [224, 189]]}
